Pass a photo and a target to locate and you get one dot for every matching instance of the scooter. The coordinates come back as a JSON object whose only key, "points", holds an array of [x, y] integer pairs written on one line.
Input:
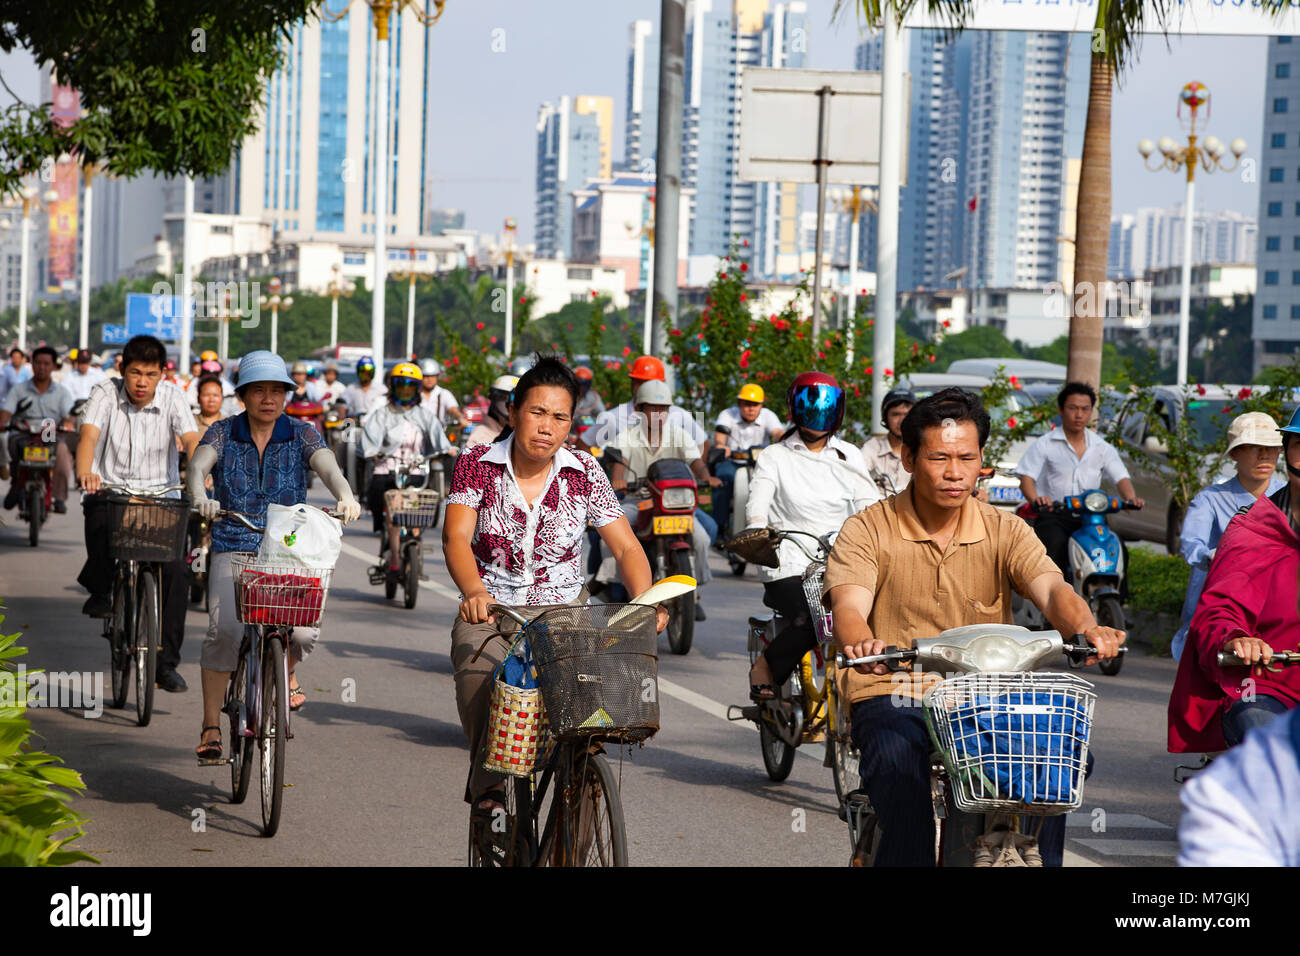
{"points": [[745, 461], [665, 526], [34, 475], [308, 411], [1010, 744], [417, 510], [1096, 566]]}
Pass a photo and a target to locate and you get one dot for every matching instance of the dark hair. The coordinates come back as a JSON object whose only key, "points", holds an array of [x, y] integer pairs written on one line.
{"points": [[18, 350], [1076, 388], [208, 378], [146, 350], [45, 350], [934, 411], [547, 371]]}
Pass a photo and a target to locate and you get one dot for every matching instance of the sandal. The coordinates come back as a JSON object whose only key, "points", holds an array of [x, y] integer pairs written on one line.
{"points": [[209, 750], [297, 692], [762, 692]]}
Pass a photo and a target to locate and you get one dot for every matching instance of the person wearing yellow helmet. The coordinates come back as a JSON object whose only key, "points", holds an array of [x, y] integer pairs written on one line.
{"points": [[397, 433], [745, 425], [83, 376]]}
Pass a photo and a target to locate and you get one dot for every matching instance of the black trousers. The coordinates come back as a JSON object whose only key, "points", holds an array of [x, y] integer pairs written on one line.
{"points": [[895, 768], [375, 497], [1054, 531], [97, 577], [798, 636]]}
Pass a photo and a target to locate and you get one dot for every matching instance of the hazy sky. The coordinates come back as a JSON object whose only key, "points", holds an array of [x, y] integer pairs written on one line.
{"points": [[495, 61]]}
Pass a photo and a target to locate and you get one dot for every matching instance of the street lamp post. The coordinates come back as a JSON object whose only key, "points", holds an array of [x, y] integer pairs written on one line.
{"points": [[647, 229], [1210, 157], [381, 11], [83, 335], [338, 287], [276, 302], [510, 227], [410, 304], [854, 203], [29, 196]]}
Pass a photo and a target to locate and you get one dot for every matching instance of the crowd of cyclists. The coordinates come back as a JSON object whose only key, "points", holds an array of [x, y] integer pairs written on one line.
{"points": [[529, 494]]}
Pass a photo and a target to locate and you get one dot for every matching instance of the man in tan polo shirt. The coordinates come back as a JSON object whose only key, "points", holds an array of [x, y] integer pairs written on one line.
{"points": [[916, 564]]}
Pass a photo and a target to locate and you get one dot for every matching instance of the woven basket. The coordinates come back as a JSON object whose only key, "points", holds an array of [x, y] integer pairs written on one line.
{"points": [[517, 731]]}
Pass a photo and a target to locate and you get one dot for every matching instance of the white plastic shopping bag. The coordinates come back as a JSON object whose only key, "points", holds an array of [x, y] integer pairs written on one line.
{"points": [[301, 535]]}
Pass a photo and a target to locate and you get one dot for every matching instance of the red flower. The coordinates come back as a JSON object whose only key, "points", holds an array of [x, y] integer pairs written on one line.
{"points": [[1015, 382], [744, 267], [1244, 394], [523, 299], [675, 332], [594, 293], [742, 297], [602, 328], [821, 355], [570, 325], [744, 358], [1011, 422], [722, 275], [745, 243], [1224, 411], [455, 360], [857, 392], [677, 359], [627, 350], [494, 340], [889, 371], [480, 326], [947, 323], [700, 336], [862, 292], [798, 335], [869, 370], [915, 347], [772, 317], [931, 358], [1200, 389]]}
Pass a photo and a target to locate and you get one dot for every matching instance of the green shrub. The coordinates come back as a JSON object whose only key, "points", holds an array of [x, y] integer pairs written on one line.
{"points": [[1156, 582], [36, 822]]}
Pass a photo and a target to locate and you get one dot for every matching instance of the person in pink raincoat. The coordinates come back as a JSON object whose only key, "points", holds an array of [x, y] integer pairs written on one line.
{"points": [[1248, 607]]}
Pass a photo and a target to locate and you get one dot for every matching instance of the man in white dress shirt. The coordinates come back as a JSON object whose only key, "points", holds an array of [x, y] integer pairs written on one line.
{"points": [[1067, 461], [83, 376]]}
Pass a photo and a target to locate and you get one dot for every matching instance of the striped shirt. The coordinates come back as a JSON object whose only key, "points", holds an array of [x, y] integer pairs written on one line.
{"points": [[137, 446], [919, 591]]}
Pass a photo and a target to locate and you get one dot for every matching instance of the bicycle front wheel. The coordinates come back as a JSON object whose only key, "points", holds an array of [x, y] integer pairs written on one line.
{"points": [[507, 838], [275, 726], [241, 746], [148, 634], [593, 832]]}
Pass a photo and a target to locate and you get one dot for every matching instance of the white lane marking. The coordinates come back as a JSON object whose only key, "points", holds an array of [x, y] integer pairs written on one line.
{"points": [[1070, 858], [715, 709], [371, 559], [1116, 821], [1160, 848]]}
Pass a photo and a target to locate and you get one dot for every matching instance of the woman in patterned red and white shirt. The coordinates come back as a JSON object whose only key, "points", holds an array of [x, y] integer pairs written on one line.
{"points": [[517, 512]]}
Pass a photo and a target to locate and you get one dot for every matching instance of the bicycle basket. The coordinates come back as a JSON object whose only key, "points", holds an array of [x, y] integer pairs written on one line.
{"points": [[1013, 742], [517, 731], [416, 509], [278, 594], [812, 592], [598, 669], [755, 546], [146, 528]]}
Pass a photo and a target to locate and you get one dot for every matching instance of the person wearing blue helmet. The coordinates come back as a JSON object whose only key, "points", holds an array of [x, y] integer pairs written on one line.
{"points": [[367, 394], [396, 436], [256, 458]]}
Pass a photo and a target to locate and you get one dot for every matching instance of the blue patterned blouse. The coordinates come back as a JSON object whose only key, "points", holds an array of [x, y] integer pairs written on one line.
{"points": [[244, 482]]}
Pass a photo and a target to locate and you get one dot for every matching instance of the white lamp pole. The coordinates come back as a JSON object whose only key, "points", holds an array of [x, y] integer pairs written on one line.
{"points": [[187, 267], [510, 226], [380, 143], [83, 337]]}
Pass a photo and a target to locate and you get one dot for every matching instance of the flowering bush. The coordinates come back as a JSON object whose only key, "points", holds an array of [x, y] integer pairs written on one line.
{"points": [[725, 346]]}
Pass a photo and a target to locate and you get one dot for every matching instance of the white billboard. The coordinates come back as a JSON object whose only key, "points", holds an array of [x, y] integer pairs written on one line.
{"points": [[779, 132], [1185, 17]]}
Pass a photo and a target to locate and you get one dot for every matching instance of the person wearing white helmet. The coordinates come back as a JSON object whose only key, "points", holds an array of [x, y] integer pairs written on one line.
{"points": [[332, 388], [498, 412], [441, 400]]}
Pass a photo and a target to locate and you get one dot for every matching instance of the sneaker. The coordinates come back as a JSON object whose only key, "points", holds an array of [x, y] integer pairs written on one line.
{"points": [[170, 681], [98, 605], [11, 499], [60, 507], [1028, 847], [699, 612]]}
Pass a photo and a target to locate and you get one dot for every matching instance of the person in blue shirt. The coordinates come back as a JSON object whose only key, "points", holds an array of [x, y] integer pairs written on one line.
{"points": [[1254, 443], [256, 458]]}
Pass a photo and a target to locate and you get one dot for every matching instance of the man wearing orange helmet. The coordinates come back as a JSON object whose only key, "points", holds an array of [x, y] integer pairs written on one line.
{"points": [[747, 424], [620, 418], [590, 404]]}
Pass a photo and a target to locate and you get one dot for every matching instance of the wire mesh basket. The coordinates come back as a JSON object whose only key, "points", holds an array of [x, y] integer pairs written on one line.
{"points": [[812, 591], [143, 528], [598, 669], [416, 509], [1013, 742], [287, 595]]}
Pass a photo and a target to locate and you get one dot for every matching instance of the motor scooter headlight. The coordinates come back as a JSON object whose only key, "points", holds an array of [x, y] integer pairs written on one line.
{"points": [[1097, 502], [1001, 652], [679, 499]]}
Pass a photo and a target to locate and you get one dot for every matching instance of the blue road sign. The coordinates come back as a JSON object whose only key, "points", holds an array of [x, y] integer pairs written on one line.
{"points": [[156, 315], [114, 335]]}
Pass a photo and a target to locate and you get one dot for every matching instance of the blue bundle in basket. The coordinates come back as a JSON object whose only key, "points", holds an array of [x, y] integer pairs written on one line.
{"points": [[1033, 756], [518, 670]]}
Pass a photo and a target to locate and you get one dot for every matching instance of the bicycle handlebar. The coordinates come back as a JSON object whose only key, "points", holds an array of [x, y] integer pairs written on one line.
{"points": [[242, 518], [1284, 658], [508, 612], [141, 492], [1076, 648]]}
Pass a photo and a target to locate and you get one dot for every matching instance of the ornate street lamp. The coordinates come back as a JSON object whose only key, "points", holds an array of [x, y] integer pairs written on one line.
{"points": [[29, 196], [276, 302]]}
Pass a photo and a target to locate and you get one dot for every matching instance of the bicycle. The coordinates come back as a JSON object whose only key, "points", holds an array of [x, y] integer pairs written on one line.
{"points": [[417, 508], [566, 810], [809, 708], [270, 600], [147, 530]]}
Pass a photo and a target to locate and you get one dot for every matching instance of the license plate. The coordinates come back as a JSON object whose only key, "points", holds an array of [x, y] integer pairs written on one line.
{"points": [[675, 524], [1005, 494], [36, 453]]}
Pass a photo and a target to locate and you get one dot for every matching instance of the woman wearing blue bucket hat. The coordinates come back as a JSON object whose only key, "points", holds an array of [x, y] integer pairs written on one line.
{"points": [[256, 458]]}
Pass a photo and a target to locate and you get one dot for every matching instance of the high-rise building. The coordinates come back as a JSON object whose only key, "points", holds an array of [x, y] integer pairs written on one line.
{"points": [[776, 232], [1276, 324], [571, 147], [641, 130], [1028, 102], [1152, 239], [310, 166]]}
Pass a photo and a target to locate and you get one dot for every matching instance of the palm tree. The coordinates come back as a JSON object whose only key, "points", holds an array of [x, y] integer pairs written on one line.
{"points": [[1115, 40]]}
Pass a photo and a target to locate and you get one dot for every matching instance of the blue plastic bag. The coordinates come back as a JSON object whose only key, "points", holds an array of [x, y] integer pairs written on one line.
{"points": [[518, 669]]}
